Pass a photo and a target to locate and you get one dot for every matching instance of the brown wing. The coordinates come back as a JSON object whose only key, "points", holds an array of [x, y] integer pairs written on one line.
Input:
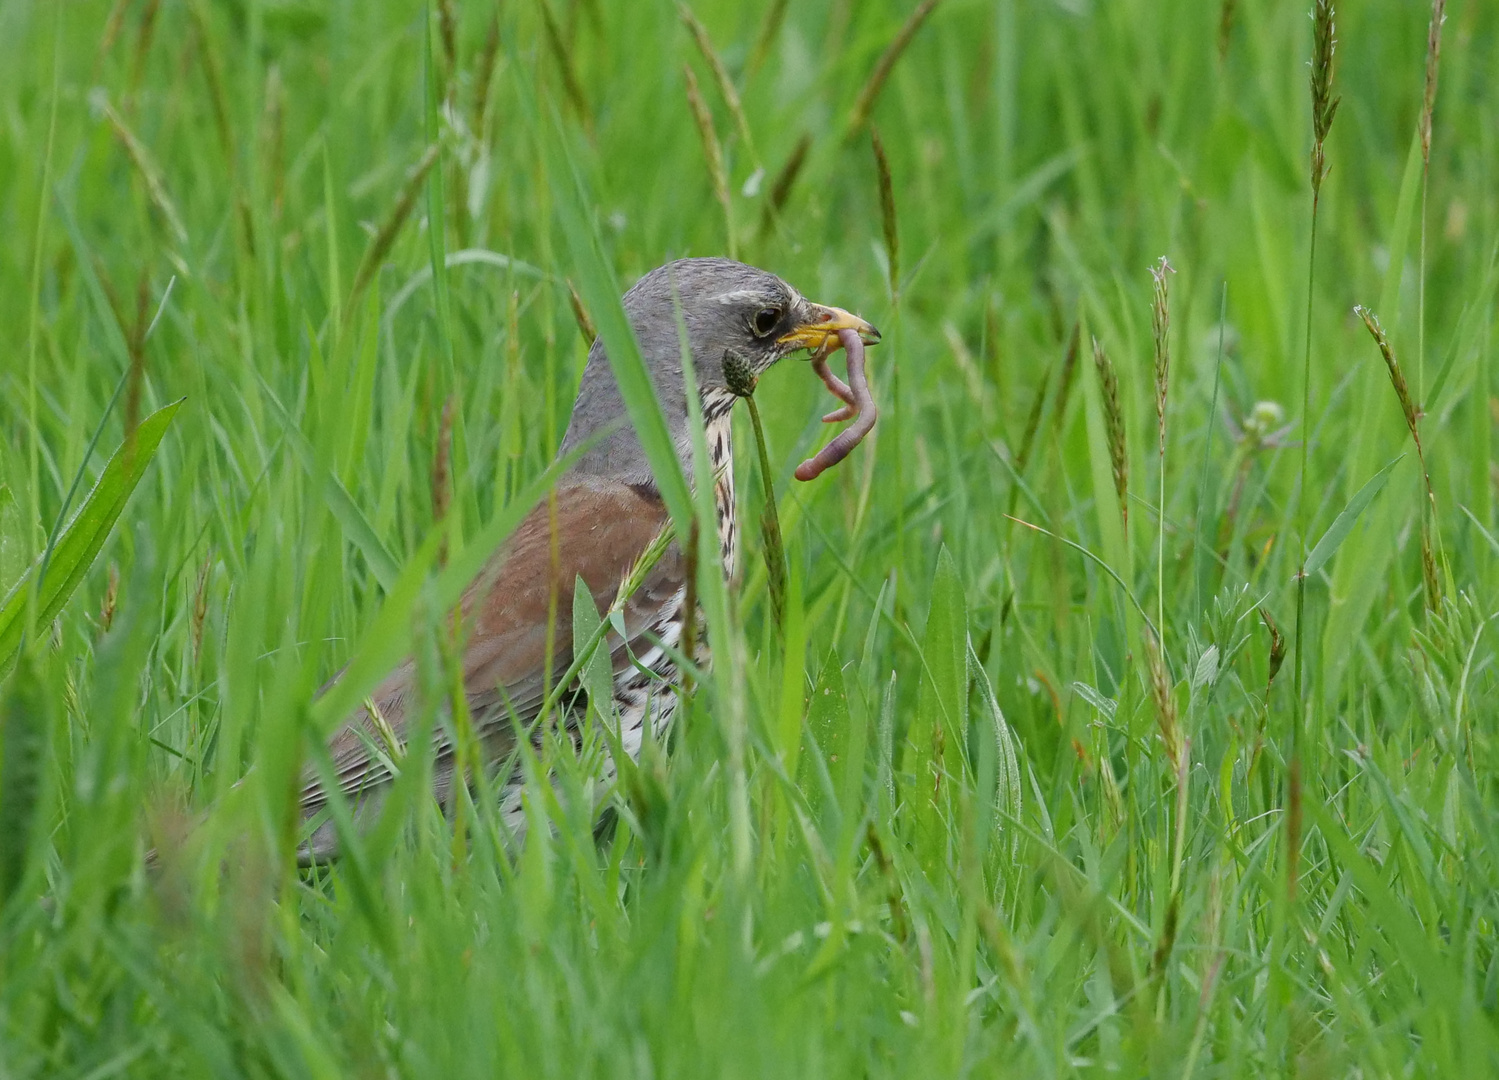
{"points": [[594, 529]]}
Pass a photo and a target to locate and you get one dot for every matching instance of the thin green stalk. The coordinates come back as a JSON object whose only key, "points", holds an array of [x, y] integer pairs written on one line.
{"points": [[1324, 109], [1202, 487], [741, 381], [1301, 498]]}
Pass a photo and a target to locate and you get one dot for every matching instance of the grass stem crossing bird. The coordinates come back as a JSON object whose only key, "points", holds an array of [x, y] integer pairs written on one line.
{"points": [[604, 514]]}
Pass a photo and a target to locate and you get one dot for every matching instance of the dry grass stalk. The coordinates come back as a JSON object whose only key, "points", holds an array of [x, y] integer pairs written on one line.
{"points": [[144, 38], [780, 187], [560, 53], [114, 22], [1324, 105], [447, 31], [882, 68], [1113, 416], [887, 211], [1433, 59], [1033, 421], [1033, 418], [1412, 413], [141, 158], [111, 599], [712, 151], [580, 314], [390, 228], [774, 16], [1161, 697], [483, 74], [211, 76], [200, 606], [1226, 16], [1277, 655], [726, 89]]}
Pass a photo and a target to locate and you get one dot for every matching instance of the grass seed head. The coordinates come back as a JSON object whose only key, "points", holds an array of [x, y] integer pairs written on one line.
{"points": [[1324, 104], [200, 605], [1161, 697], [385, 236], [1433, 60], [1113, 415], [580, 314], [1160, 322], [111, 599], [150, 172], [726, 89], [1277, 648], [1392, 365]]}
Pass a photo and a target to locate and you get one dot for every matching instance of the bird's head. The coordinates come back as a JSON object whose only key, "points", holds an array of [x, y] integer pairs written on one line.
{"points": [[727, 307], [724, 309]]}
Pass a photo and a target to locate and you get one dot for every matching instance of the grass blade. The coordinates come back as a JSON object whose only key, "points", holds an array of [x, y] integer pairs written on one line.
{"points": [[59, 575]]}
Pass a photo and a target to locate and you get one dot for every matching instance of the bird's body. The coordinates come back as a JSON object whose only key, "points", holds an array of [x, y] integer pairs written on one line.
{"points": [[596, 525]]}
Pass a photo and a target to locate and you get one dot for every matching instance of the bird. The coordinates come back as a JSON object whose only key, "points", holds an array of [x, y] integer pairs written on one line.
{"points": [[603, 514]]}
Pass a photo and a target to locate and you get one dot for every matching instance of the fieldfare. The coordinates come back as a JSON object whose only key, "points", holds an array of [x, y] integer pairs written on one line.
{"points": [[607, 511]]}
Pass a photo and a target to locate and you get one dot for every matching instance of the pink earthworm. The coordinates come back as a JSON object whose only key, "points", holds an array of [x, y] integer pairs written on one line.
{"points": [[839, 388], [859, 407]]}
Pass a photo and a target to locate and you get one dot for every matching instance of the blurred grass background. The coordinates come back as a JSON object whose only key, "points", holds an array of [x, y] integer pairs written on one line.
{"points": [[956, 818]]}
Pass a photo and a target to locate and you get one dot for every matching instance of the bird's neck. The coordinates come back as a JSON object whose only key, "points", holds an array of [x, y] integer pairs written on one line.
{"points": [[718, 418]]}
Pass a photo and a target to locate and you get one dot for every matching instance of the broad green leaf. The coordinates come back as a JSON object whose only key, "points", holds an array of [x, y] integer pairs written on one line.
{"points": [[1007, 789], [1343, 524], [85, 535]]}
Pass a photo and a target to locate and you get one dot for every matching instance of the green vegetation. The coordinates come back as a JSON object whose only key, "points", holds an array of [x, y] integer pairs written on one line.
{"points": [[990, 796]]}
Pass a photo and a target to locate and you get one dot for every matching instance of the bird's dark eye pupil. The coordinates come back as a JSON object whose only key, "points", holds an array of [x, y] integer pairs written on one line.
{"points": [[766, 319]]}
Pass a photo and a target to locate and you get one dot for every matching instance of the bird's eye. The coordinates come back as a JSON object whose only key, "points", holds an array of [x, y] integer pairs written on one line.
{"points": [[765, 320]]}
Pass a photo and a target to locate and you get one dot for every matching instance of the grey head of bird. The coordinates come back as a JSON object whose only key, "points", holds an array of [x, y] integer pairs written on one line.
{"points": [[724, 308]]}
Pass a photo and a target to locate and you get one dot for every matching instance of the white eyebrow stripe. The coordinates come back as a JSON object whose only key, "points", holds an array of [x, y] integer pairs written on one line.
{"points": [[739, 295]]}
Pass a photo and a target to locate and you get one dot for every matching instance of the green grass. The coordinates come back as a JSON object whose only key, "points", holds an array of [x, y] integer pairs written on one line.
{"points": [[933, 828]]}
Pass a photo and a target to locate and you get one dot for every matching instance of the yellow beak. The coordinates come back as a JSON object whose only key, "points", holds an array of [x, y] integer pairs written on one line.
{"points": [[818, 331]]}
